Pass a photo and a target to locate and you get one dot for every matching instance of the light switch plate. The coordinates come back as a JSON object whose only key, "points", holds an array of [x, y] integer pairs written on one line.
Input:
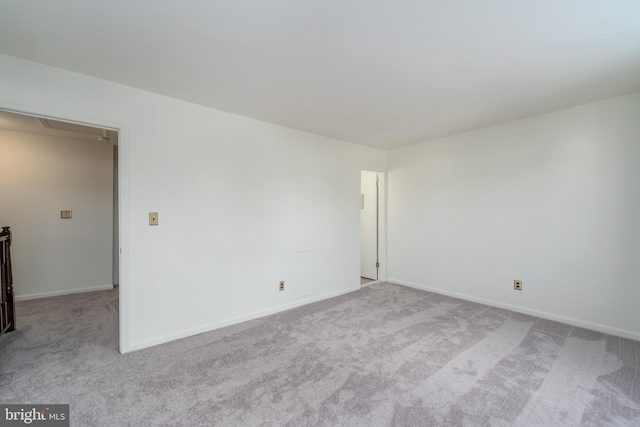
{"points": [[153, 218], [65, 214]]}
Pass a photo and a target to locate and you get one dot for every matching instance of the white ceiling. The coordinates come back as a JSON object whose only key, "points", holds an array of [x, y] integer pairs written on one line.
{"points": [[377, 73]]}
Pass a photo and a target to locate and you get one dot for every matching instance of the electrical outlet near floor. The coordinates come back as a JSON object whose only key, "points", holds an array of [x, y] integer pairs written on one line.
{"points": [[281, 286], [517, 285]]}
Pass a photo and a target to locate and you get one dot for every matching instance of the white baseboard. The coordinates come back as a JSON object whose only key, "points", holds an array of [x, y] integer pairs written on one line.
{"points": [[63, 292], [239, 319], [543, 314]]}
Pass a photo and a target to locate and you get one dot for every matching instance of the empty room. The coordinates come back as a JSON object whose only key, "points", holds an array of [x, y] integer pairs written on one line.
{"points": [[317, 213]]}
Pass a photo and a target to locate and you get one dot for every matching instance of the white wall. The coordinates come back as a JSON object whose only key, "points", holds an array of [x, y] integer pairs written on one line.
{"points": [[237, 199], [42, 175], [552, 200]]}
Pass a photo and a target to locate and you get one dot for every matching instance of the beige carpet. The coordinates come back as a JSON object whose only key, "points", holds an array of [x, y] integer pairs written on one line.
{"points": [[384, 355]]}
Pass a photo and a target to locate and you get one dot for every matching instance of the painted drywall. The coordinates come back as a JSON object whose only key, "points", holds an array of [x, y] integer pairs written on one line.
{"points": [[368, 225], [551, 200], [42, 175], [237, 199]]}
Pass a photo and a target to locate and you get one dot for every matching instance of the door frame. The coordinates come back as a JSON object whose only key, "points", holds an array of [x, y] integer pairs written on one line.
{"points": [[382, 224], [124, 293]]}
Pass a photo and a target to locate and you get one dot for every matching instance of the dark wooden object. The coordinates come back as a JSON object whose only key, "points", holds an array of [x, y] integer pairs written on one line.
{"points": [[7, 306]]}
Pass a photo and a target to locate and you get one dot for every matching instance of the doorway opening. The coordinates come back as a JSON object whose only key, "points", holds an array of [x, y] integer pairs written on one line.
{"points": [[369, 227], [62, 205]]}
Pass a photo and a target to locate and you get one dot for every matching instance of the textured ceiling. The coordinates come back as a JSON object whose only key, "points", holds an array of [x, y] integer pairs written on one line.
{"points": [[377, 73]]}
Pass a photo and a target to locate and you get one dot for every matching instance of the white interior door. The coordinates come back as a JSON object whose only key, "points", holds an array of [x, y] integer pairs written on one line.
{"points": [[369, 225]]}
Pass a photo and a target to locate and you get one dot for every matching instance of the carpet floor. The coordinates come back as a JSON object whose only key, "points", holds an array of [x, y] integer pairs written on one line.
{"points": [[384, 355]]}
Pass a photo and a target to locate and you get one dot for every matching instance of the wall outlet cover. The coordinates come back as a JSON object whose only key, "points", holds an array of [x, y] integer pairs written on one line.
{"points": [[153, 218]]}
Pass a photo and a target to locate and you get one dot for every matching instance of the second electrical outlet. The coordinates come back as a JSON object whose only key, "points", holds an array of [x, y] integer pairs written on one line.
{"points": [[281, 286]]}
